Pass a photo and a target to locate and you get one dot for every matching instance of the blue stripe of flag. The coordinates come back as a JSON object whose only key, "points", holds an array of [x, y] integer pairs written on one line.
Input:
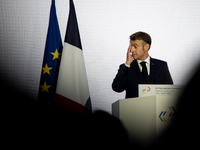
{"points": [[72, 32]]}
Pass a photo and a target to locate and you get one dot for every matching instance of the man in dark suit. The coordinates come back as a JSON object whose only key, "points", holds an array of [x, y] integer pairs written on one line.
{"points": [[140, 68]]}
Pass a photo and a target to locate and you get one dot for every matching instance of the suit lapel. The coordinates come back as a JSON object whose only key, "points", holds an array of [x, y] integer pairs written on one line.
{"points": [[152, 68]]}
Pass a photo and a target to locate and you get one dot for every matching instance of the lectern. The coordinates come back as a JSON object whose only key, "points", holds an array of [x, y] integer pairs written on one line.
{"points": [[145, 118]]}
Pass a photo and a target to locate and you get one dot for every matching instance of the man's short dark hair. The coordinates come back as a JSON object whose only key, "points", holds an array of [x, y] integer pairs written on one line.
{"points": [[141, 36]]}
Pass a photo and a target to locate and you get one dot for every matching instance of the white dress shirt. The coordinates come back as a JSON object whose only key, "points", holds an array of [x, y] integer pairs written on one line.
{"points": [[147, 64], [140, 66]]}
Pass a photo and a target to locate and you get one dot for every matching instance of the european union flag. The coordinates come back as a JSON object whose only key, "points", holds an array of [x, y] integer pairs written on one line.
{"points": [[51, 60]]}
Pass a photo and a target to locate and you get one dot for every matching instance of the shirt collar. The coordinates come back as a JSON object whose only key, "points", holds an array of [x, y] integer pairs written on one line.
{"points": [[146, 60]]}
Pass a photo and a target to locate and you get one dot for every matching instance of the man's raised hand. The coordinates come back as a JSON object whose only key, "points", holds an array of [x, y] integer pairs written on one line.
{"points": [[129, 58]]}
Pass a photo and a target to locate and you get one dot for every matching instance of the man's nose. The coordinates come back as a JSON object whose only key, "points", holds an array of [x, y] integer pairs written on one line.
{"points": [[132, 49]]}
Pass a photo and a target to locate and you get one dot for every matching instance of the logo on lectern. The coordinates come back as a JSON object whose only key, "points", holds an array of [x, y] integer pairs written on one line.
{"points": [[144, 91], [163, 114]]}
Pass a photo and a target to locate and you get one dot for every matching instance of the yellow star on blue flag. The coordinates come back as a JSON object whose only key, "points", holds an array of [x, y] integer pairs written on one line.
{"points": [[56, 55], [46, 69], [45, 87]]}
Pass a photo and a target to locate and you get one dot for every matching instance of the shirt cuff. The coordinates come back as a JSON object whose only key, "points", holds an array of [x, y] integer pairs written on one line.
{"points": [[127, 65]]}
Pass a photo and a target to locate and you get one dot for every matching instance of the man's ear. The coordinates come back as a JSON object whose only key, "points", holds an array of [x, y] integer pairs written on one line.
{"points": [[146, 47]]}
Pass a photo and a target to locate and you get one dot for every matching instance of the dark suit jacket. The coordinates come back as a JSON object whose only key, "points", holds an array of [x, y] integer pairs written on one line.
{"points": [[129, 78]]}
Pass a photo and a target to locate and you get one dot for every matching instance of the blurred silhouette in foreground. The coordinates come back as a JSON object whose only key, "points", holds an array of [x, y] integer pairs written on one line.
{"points": [[28, 124], [184, 130]]}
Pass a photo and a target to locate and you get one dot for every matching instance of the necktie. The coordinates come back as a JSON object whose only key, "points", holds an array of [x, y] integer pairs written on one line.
{"points": [[144, 70]]}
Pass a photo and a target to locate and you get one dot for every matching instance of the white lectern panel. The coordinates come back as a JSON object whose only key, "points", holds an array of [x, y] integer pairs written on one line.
{"points": [[145, 118]]}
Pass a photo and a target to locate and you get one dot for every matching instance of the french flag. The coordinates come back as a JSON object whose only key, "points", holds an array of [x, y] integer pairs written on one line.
{"points": [[72, 86]]}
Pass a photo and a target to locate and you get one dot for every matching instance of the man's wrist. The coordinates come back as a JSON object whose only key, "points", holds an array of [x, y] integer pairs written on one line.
{"points": [[127, 65]]}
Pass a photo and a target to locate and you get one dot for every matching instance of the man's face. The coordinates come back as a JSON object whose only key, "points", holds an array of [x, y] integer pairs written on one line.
{"points": [[139, 51]]}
